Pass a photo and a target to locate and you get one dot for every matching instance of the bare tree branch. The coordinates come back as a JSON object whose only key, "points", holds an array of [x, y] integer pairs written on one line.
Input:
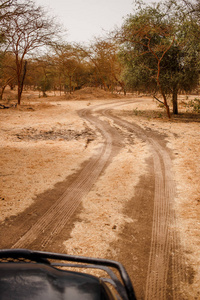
{"points": [[29, 29]]}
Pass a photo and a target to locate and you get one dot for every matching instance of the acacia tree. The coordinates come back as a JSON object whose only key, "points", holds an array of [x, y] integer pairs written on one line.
{"points": [[29, 29], [102, 54], [7, 74], [146, 38], [156, 51], [185, 14], [69, 63], [6, 9], [42, 74], [6, 59]]}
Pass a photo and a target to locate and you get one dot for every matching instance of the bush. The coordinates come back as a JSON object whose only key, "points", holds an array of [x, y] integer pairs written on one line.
{"points": [[195, 105]]}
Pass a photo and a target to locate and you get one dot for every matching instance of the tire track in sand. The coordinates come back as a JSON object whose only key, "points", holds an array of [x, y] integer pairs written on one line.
{"points": [[56, 217], [166, 269], [166, 261]]}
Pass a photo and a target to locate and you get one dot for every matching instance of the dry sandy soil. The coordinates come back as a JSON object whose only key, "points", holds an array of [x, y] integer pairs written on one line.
{"points": [[46, 142]]}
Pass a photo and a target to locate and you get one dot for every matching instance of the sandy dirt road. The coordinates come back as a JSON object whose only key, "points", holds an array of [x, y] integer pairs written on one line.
{"points": [[156, 261], [166, 263]]}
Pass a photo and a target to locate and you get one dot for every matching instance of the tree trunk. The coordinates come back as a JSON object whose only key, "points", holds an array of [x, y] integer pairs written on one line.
{"points": [[165, 99], [166, 105], [70, 84], [2, 91], [161, 89], [21, 84], [8, 82], [11, 86], [175, 101]]}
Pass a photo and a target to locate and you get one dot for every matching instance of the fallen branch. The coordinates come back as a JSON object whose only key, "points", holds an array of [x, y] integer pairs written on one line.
{"points": [[159, 100], [3, 106]]}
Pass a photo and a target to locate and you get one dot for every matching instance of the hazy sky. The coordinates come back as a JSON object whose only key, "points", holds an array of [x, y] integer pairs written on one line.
{"points": [[85, 19]]}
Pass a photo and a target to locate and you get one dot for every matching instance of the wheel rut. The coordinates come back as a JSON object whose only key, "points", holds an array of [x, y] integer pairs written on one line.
{"points": [[56, 217], [166, 259], [166, 265]]}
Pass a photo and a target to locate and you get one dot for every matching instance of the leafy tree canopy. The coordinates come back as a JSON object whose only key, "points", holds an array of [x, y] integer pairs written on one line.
{"points": [[159, 52]]}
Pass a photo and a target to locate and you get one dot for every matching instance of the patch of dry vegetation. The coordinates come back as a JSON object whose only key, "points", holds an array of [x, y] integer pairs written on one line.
{"points": [[91, 93]]}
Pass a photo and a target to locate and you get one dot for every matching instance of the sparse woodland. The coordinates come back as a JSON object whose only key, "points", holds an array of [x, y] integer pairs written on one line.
{"points": [[156, 51]]}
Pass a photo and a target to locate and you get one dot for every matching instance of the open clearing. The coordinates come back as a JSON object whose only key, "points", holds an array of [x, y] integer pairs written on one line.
{"points": [[105, 178]]}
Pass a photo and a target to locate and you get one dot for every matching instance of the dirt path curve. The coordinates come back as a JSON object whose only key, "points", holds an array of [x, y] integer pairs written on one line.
{"points": [[56, 217], [166, 264]]}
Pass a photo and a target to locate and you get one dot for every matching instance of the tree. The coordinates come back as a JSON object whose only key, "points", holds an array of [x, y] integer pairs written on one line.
{"points": [[183, 72], [5, 15], [69, 63], [147, 36], [157, 53], [27, 30], [6, 11], [7, 76], [43, 71], [106, 68]]}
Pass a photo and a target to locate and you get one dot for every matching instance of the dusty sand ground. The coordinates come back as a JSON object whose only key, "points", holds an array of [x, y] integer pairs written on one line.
{"points": [[34, 160], [183, 136]]}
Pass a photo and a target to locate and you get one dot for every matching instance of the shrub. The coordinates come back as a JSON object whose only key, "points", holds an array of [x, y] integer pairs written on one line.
{"points": [[195, 105]]}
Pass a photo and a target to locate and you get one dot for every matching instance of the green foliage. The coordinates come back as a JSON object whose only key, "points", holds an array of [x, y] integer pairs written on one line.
{"points": [[179, 70], [44, 85], [136, 111], [145, 37], [160, 51], [195, 105]]}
